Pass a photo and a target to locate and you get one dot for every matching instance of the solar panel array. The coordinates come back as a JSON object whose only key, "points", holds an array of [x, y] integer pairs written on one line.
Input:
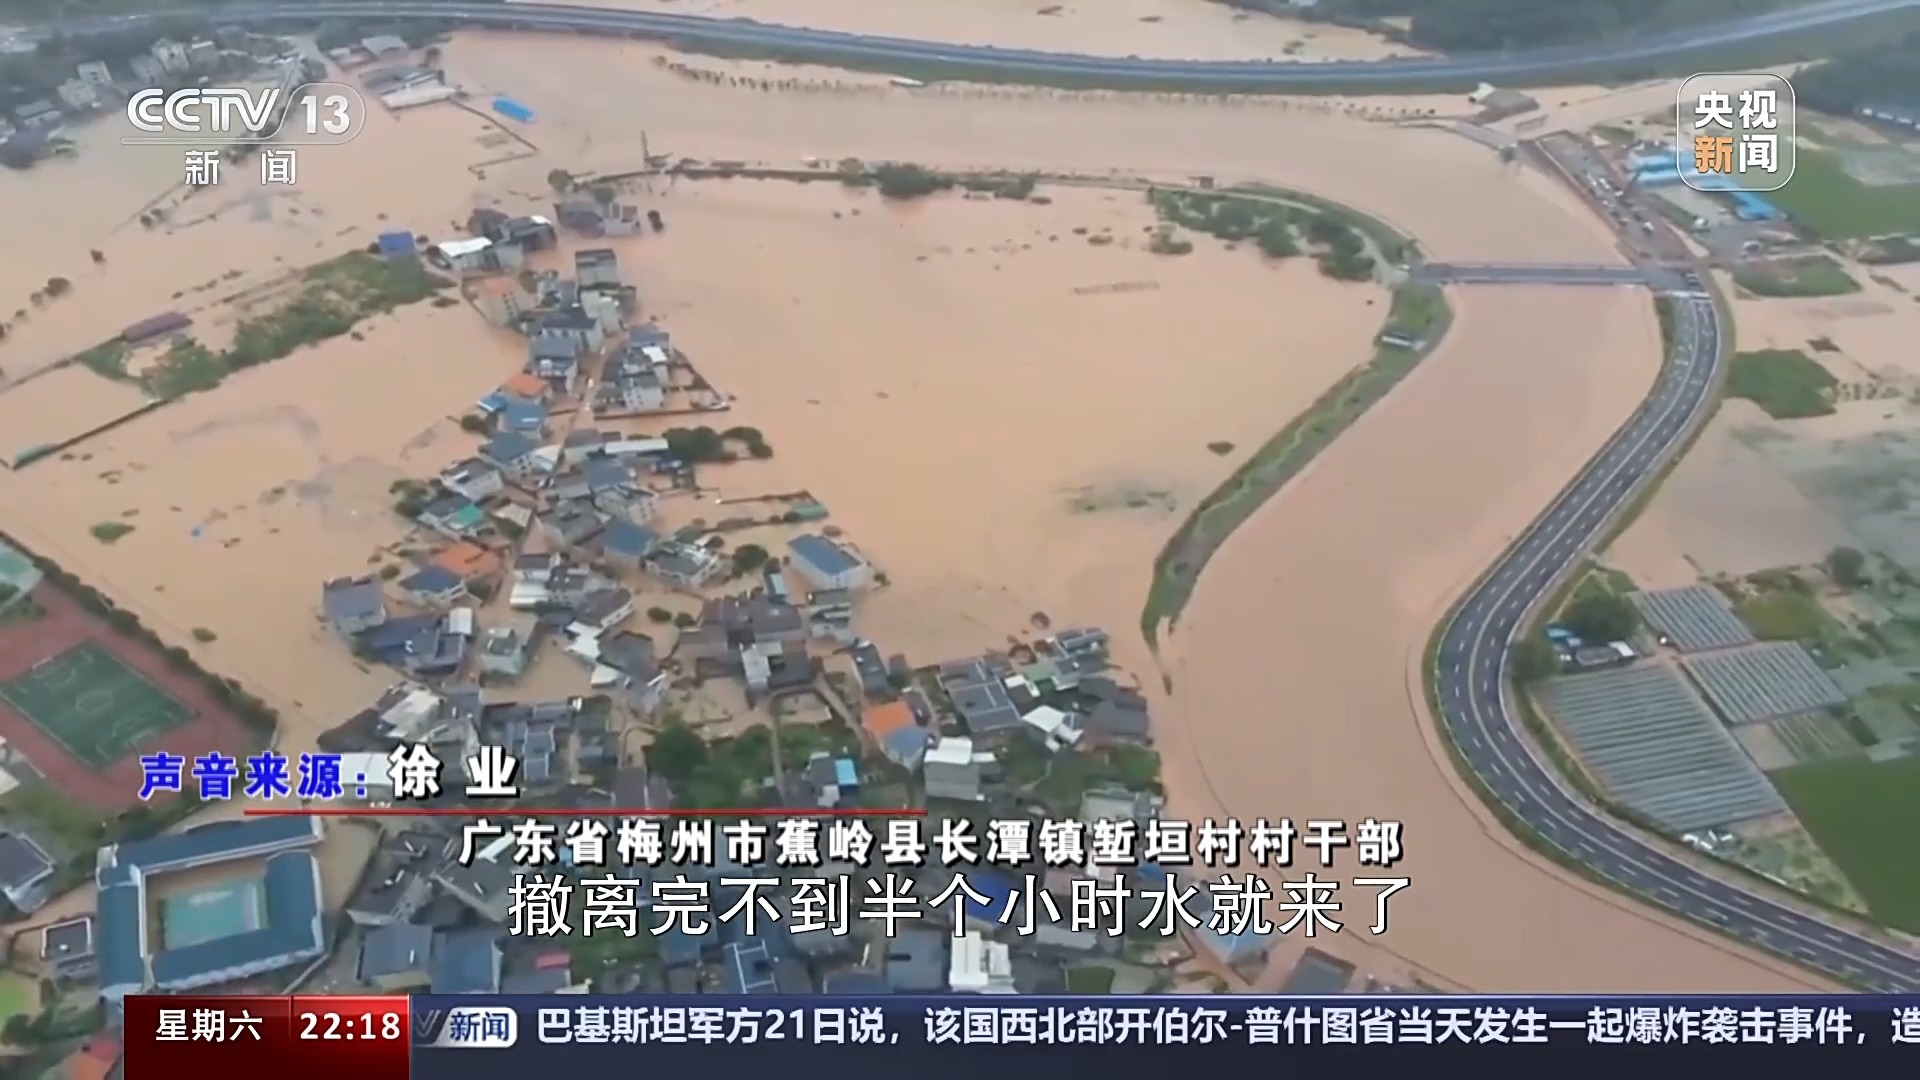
{"points": [[1655, 747], [1695, 618], [1764, 682]]}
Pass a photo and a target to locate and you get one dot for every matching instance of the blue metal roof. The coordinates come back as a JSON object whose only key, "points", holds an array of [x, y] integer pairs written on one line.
{"points": [[627, 538], [845, 774], [999, 891], [823, 554], [430, 580], [291, 932], [213, 842], [508, 447], [908, 742], [466, 962], [121, 916]]}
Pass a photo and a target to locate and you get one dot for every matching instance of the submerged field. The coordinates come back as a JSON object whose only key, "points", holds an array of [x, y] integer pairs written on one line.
{"points": [[1011, 416], [1856, 810]]}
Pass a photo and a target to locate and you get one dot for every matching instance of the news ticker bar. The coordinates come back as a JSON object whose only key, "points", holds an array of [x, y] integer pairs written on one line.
{"points": [[442, 1037]]}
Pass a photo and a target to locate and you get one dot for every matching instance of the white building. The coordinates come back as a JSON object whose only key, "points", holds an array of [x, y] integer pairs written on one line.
{"points": [[952, 769], [172, 55], [1057, 729], [95, 73], [979, 966], [79, 94]]}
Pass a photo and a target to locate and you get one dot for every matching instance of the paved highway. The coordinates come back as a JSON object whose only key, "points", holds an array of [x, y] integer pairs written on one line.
{"points": [[1474, 679], [1475, 655], [1531, 64]]}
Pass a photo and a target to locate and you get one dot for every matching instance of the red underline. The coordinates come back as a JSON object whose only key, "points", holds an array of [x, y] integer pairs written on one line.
{"points": [[517, 811]]}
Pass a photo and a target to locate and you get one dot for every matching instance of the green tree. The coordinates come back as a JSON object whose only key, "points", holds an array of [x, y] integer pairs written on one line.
{"points": [[749, 557], [678, 752], [605, 194], [1601, 617], [1847, 566], [560, 180], [1534, 659]]}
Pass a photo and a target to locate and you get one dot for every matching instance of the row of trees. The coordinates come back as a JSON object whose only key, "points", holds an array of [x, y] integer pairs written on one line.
{"points": [[1888, 73], [706, 446], [1482, 25]]}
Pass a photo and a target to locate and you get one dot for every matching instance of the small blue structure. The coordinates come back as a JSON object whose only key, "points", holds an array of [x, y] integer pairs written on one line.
{"points": [[1747, 206], [1750, 207], [512, 110], [397, 245]]}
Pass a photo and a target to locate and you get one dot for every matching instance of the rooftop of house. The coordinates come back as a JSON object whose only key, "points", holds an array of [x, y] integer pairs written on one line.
{"points": [[683, 561], [573, 519], [954, 750], [395, 949], [917, 961], [23, 862], [466, 962], [508, 447], [823, 554], [467, 559], [525, 385], [906, 743], [399, 861], [485, 885], [706, 637], [68, 940], [605, 473], [1111, 720], [626, 538], [602, 604], [521, 414], [570, 319], [550, 344], [431, 581], [594, 257], [884, 719], [352, 598]]}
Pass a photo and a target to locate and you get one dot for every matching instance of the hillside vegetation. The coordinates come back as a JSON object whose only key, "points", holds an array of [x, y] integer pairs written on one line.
{"points": [[1476, 25], [1887, 74]]}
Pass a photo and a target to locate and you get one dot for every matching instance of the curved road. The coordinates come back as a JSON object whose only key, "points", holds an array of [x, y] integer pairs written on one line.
{"points": [[1014, 63], [1473, 675], [1474, 680]]}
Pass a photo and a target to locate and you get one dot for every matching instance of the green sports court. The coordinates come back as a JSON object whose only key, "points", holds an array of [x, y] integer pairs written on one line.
{"points": [[93, 704]]}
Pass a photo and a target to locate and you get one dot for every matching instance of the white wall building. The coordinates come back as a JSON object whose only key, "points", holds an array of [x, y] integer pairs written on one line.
{"points": [[979, 966]]}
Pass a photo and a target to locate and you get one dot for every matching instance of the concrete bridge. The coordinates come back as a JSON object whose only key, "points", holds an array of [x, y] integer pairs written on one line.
{"points": [[1543, 274]]}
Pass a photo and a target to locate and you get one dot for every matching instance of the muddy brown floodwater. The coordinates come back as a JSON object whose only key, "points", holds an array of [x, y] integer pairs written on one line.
{"points": [[1006, 416]]}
